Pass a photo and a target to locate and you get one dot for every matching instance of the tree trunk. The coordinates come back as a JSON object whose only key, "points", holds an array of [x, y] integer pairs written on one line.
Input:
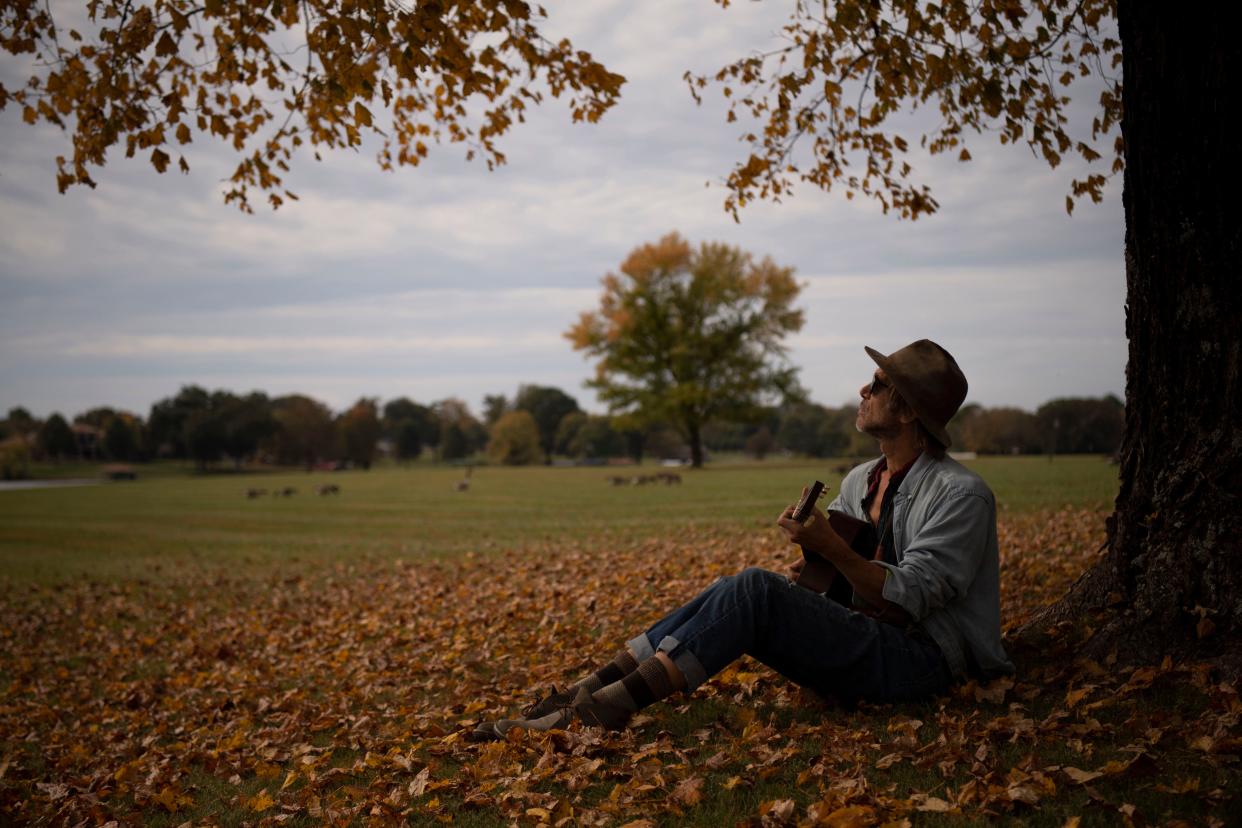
{"points": [[1171, 575], [695, 438]]}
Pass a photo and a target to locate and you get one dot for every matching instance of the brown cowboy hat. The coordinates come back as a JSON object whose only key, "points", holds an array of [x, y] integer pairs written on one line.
{"points": [[927, 377]]}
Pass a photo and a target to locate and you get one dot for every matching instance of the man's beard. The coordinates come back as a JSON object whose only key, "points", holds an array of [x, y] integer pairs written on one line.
{"points": [[879, 432]]}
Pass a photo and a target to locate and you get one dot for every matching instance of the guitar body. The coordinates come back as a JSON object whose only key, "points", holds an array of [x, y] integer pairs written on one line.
{"points": [[818, 575]]}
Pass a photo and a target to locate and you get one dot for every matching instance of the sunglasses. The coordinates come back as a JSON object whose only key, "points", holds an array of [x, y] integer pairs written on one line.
{"points": [[877, 384]]}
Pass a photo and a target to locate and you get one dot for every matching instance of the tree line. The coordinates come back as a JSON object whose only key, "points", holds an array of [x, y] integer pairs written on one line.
{"points": [[535, 425]]}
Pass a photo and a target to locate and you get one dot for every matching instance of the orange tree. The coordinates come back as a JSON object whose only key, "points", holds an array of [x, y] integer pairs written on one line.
{"points": [[685, 335]]}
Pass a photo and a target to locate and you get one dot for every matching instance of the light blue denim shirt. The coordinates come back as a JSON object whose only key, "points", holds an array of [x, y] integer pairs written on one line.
{"points": [[947, 575]]}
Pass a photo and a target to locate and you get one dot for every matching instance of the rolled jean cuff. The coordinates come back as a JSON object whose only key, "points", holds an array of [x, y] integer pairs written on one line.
{"points": [[641, 647], [687, 662]]}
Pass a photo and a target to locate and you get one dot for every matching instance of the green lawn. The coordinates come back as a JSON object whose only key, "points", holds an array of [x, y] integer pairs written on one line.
{"points": [[165, 522]]}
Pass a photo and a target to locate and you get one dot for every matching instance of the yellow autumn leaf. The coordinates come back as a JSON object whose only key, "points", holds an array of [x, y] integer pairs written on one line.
{"points": [[853, 816], [362, 115], [260, 802], [167, 798]]}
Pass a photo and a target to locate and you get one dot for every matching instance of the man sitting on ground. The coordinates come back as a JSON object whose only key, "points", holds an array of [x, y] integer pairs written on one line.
{"points": [[926, 609]]}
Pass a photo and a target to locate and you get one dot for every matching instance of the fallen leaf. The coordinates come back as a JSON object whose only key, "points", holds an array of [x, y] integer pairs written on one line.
{"points": [[935, 805], [1082, 777], [777, 809], [994, 691], [887, 761], [260, 802], [419, 784], [853, 816], [688, 791]]}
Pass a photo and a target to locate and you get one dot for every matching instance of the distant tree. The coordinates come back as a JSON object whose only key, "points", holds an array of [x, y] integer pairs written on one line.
{"points": [[99, 417], [248, 421], [360, 430], [408, 440], [410, 426], [634, 443], [799, 431], [464, 434], [515, 440], [840, 437], [56, 439], [664, 441], [14, 459], [760, 444], [166, 424], [565, 432], [689, 336], [960, 426], [305, 432], [205, 436], [19, 415], [454, 445], [1003, 430], [813, 430], [1079, 425], [21, 423], [548, 406], [495, 406], [725, 435], [122, 438], [596, 438]]}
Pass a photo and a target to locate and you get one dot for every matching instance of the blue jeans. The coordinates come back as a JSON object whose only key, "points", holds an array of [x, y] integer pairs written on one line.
{"points": [[806, 637]]}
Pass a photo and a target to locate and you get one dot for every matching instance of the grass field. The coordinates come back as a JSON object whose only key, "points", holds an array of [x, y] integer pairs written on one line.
{"points": [[166, 523], [174, 653]]}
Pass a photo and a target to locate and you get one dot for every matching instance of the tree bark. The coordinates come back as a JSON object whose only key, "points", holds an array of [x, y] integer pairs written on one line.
{"points": [[1171, 576], [695, 435]]}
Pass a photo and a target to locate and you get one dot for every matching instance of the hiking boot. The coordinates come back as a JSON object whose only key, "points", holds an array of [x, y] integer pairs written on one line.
{"points": [[581, 707], [555, 700]]}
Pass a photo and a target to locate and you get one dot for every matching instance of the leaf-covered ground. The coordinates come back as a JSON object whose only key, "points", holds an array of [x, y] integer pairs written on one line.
{"points": [[344, 695]]}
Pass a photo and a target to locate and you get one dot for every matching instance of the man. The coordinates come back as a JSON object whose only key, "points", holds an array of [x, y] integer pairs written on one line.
{"points": [[926, 608]]}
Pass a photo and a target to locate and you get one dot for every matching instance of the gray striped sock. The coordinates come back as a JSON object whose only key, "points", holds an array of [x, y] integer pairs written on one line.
{"points": [[647, 685], [621, 666]]}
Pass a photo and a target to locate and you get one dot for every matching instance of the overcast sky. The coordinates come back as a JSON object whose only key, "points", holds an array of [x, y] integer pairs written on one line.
{"points": [[448, 280]]}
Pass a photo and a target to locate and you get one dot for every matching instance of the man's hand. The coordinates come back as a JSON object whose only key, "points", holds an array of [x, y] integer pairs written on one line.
{"points": [[794, 570], [816, 535], [866, 577]]}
